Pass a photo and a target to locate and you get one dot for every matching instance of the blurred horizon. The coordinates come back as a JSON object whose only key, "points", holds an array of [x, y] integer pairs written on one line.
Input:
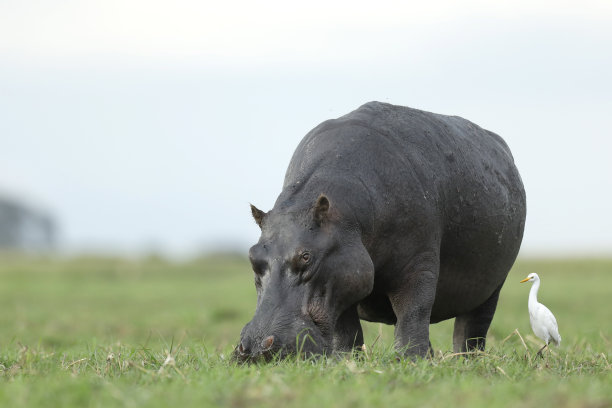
{"points": [[150, 126]]}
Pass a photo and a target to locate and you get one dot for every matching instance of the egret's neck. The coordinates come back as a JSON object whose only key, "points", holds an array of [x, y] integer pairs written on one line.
{"points": [[533, 293]]}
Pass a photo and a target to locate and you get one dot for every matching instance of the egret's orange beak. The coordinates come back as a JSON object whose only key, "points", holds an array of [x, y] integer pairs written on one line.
{"points": [[524, 280]]}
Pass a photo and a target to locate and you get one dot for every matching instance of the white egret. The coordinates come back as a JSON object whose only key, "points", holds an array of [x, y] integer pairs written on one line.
{"points": [[543, 322]]}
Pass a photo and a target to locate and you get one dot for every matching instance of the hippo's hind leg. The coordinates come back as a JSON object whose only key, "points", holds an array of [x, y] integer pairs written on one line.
{"points": [[470, 330]]}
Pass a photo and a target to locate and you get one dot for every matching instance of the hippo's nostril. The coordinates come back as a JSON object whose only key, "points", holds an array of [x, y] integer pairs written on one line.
{"points": [[267, 342], [244, 350]]}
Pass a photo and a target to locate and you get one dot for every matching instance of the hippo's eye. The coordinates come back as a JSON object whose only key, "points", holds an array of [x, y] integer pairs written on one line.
{"points": [[301, 261]]}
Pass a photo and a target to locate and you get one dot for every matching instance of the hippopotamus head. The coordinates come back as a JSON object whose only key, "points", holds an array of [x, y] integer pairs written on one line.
{"points": [[310, 267]]}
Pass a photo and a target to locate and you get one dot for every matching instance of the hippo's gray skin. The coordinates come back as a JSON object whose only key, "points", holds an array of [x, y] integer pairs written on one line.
{"points": [[388, 214]]}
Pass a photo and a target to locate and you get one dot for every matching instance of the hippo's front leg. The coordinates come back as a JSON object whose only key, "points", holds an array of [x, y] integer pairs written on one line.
{"points": [[348, 333], [412, 301]]}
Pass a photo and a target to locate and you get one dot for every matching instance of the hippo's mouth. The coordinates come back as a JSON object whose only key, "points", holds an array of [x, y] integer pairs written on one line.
{"points": [[263, 356], [307, 344]]}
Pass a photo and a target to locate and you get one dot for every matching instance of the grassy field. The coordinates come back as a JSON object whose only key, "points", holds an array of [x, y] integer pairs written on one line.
{"points": [[92, 332]]}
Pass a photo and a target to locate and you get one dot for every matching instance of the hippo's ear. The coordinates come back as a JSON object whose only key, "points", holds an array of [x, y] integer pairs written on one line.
{"points": [[321, 208], [258, 215]]}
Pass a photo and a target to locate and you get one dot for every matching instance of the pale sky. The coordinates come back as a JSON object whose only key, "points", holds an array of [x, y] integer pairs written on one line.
{"points": [[151, 124]]}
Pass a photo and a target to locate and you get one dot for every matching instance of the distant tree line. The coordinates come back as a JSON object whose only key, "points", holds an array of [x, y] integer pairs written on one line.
{"points": [[25, 228]]}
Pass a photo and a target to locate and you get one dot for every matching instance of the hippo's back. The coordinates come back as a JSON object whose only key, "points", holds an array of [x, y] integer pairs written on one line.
{"points": [[400, 152]]}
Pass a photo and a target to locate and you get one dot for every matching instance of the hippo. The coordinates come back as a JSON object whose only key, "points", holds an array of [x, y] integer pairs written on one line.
{"points": [[387, 214]]}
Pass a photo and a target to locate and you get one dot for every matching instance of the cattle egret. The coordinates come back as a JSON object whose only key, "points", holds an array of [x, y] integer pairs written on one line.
{"points": [[543, 322]]}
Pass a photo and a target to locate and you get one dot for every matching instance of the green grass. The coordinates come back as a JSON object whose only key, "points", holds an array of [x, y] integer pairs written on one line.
{"points": [[93, 332]]}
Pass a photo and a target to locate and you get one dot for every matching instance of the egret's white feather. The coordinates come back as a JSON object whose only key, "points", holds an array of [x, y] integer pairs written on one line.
{"points": [[543, 322]]}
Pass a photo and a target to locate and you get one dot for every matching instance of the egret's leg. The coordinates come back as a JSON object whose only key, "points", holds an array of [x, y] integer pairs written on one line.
{"points": [[471, 328], [540, 351]]}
